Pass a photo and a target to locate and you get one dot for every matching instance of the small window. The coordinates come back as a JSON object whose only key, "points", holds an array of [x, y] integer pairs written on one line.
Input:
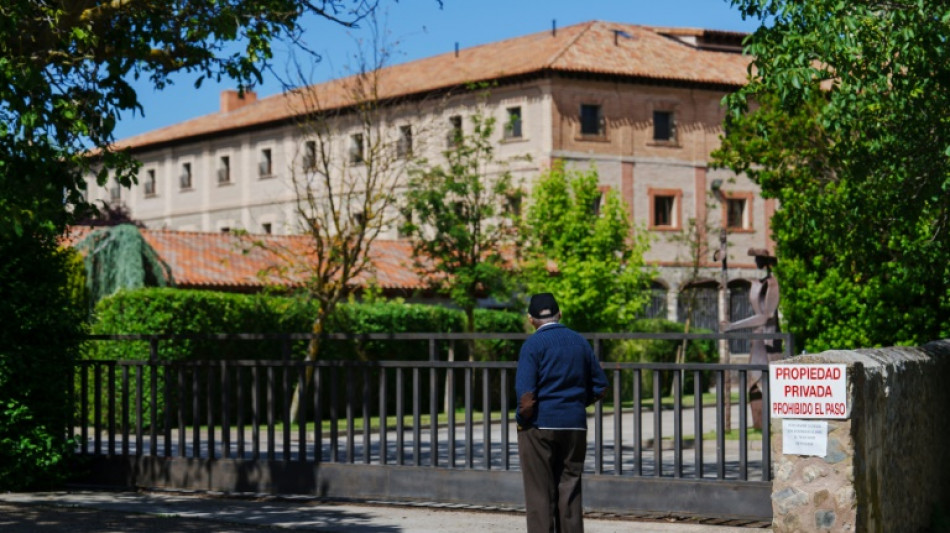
{"points": [[737, 213], [663, 129], [513, 125], [266, 227], [265, 166], [225, 229], [224, 169], [356, 148], [310, 155], [404, 145], [184, 180], [150, 182], [592, 120], [664, 211], [115, 193], [455, 131]]}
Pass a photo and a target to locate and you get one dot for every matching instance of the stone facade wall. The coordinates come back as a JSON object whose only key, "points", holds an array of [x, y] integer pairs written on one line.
{"points": [[887, 466]]}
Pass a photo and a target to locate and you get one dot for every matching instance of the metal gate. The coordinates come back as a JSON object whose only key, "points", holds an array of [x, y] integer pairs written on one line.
{"points": [[416, 431]]}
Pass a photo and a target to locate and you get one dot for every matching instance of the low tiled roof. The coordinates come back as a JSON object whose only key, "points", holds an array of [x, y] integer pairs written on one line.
{"points": [[224, 261], [599, 48]]}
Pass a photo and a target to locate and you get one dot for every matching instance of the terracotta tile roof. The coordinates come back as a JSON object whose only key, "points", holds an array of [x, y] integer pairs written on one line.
{"points": [[593, 47], [225, 261]]}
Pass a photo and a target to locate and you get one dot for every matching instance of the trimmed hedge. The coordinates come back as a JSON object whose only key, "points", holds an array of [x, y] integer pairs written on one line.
{"points": [[176, 311]]}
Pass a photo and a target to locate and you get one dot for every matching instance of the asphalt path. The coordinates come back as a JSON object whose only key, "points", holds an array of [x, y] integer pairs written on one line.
{"points": [[145, 512]]}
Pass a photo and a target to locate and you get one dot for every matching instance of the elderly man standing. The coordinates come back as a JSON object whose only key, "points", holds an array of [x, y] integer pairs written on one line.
{"points": [[558, 377]]}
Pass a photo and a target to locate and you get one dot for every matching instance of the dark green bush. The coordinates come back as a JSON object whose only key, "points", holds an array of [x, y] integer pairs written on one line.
{"points": [[660, 351], [39, 325]]}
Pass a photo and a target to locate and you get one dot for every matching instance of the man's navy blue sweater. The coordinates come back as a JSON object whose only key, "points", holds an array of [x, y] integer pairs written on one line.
{"points": [[560, 367]]}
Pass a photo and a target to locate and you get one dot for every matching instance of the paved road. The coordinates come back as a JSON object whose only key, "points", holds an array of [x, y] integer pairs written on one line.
{"points": [[106, 512]]}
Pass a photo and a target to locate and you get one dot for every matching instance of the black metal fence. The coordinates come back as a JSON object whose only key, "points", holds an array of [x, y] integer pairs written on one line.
{"points": [[444, 416]]}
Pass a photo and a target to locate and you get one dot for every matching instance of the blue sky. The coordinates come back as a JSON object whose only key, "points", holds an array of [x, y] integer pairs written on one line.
{"points": [[419, 28]]}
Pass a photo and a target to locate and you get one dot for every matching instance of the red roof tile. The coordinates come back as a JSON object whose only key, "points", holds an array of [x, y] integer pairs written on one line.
{"points": [[592, 47], [232, 262]]}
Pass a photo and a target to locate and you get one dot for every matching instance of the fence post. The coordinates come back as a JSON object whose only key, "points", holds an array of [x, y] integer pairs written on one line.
{"points": [[153, 408]]}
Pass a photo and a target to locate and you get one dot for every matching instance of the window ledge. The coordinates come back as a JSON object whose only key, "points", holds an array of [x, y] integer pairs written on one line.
{"points": [[740, 230], [592, 138], [665, 228], [665, 144], [265, 176], [514, 140]]}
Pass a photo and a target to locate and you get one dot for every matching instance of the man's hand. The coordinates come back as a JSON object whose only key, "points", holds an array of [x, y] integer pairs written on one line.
{"points": [[527, 404]]}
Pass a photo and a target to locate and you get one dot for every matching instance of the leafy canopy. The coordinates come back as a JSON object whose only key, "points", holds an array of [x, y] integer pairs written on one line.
{"points": [[842, 122], [464, 217], [585, 237], [65, 72]]}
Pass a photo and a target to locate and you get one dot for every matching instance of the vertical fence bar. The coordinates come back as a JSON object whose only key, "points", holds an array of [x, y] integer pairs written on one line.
{"points": [[766, 428], [125, 411], [182, 445], [166, 408], [111, 389], [383, 425], [139, 379], [239, 399], [469, 430], [209, 402], [486, 418], [720, 425], [657, 424], [366, 416], [317, 416], [618, 426], [450, 394], [350, 406], [271, 430], [334, 416], [153, 391], [678, 423], [505, 422], [97, 409], [302, 413], [226, 410], [400, 452], [195, 412], [255, 412], [698, 422], [598, 423], [433, 412], [637, 422], [416, 418], [285, 404], [84, 407], [743, 427]]}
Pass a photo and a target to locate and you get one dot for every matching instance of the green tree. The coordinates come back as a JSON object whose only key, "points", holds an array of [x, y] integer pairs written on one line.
{"points": [[464, 218], [586, 238], [65, 79], [841, 122]]}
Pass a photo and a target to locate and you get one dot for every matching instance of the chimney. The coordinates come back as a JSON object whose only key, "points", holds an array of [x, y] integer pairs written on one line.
{"points": [[231, 99]]}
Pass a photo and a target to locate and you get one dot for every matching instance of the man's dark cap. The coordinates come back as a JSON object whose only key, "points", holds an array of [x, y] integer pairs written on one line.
{"points": [[543, 305]]}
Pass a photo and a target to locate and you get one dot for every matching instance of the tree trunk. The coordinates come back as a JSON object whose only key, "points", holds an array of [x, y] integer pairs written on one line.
{"points": [[313, 351]]}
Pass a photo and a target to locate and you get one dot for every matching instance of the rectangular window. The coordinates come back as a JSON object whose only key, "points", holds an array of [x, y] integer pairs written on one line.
{"points": [[663, 126], [310, 155], [184, 180], [150, 183], [663, 210], [115, 193], [592, 120], [266, 226], [454, 137], [356, 148], [224, 170], [737, 211], [404, 145], [513, 126], [265, 167]]}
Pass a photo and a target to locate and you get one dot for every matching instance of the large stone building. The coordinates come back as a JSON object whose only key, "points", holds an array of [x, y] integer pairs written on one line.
{"points": [[642, 104]]}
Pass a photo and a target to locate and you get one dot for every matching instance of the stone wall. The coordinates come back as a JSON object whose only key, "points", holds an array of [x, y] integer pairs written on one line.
{"points": [[887, 466]]}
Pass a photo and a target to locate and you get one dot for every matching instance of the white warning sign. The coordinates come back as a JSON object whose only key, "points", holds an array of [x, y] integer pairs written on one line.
{"points": [[808, 391], [804, 437]]}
